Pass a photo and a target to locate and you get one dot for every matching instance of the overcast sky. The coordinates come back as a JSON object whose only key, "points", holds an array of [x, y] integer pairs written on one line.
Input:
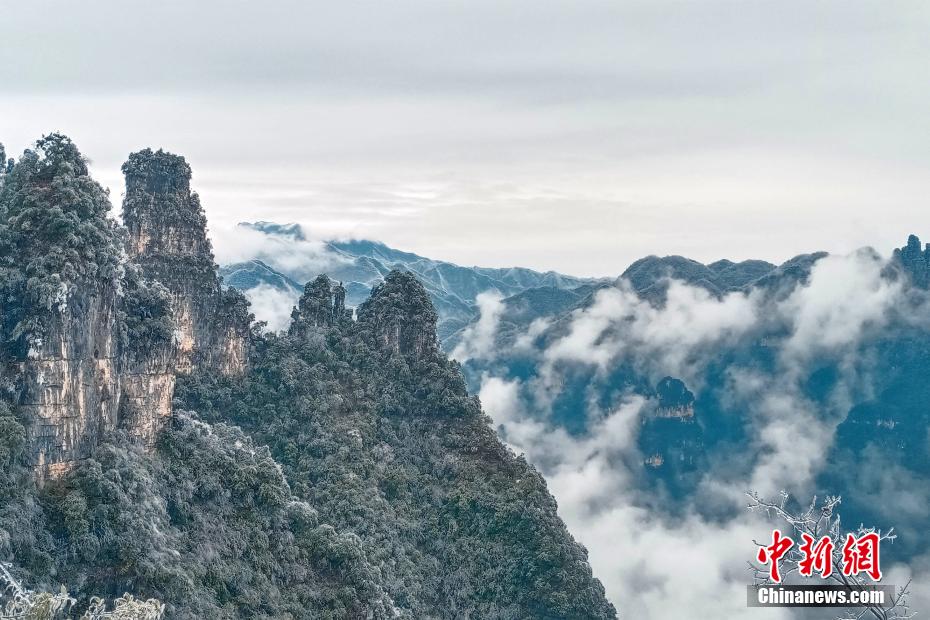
{"points": [[567, 135]]}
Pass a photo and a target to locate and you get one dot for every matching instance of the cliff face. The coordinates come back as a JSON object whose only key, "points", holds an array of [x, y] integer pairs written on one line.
{"points": [[91, 341], [60, 279], [82, 378], [148, 355], [672, 439], [168, 239], [915, 260], [69, 381]]}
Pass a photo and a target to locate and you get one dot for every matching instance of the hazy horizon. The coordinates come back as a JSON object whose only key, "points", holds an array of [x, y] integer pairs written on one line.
{"points": [[576, 138]]}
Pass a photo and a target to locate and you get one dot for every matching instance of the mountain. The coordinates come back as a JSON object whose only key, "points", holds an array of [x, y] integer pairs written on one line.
{"points": [[362, 264], [649, 277], [804, 376], [720, 276], [158, 450], [251, 274]]}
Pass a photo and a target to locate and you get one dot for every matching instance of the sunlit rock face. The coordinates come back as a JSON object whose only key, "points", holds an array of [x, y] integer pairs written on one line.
{"points": [[168, 238], [69, 381], [61, 260]]}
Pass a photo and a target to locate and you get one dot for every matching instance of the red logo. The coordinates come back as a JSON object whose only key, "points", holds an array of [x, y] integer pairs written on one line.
{"points": [[860, 555], [774, 552], [817, 557]]}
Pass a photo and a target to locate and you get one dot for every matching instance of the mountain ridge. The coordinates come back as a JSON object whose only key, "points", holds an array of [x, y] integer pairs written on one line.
{"points": [[155, 444], [361, 264]]}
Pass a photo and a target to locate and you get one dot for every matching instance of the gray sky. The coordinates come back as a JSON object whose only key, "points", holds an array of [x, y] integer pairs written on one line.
{"points": [[566, 135]]}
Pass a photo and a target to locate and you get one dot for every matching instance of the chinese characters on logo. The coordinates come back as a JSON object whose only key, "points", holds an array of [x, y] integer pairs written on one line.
{"points": [[860, 555]]}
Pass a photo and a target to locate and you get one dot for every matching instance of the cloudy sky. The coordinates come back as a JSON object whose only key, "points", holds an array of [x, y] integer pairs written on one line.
{"points": [[564, 135]]}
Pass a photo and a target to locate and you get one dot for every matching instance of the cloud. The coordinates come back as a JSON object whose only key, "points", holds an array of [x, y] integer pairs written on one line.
{"points": [[662, 561], [653, 567], [672, 339], [300, 259], [791, 438], [527, 339], [272, 305], [846, 296], [478, 339]]}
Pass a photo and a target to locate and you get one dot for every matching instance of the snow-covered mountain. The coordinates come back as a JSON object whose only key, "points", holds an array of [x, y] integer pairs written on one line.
{"points": [[286, 258]]}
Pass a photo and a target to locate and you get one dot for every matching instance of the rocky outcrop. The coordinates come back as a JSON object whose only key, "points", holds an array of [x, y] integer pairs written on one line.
{"points": [[675, 399], [59, 336], [339, 301], [671, 440], [400, 317], [320, 305], [91, 342], [915, 261], [168, 239], [69, 385], [315, 306]]}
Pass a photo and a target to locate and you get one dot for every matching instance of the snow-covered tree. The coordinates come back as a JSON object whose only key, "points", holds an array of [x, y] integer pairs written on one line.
{"points": [[817, 521]]}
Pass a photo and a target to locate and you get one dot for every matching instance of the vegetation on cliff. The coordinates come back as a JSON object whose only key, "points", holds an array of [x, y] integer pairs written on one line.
{"points": [[344, 473], [55, 236], [384, 440]]}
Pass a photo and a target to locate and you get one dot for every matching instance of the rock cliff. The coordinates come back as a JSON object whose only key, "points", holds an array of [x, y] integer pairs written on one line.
{"points": [[59, 275], [91, 341], [168, 239], [915, 260], [148, 357], [68, 383]]}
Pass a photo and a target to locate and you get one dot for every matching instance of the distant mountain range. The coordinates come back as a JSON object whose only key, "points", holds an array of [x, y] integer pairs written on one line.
{"points": [[361, 264], [649, 277], [808, 376], [730, 357]]}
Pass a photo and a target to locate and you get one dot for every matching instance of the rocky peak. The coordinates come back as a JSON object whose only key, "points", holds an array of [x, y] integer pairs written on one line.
{"points": [[164, 218], [316, 304], [168, 238], [60, 258], [400, 316], [915, 261], [321, 305]]}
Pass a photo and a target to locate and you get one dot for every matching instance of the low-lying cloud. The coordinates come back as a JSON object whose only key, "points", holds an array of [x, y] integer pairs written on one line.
{"points": [[478, 339], [300, 259], [655, 561], [666, 338], [272, 305]]}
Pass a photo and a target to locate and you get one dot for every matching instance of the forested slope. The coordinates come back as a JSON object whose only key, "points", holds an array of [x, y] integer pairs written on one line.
{"points": [[339, 470]]}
